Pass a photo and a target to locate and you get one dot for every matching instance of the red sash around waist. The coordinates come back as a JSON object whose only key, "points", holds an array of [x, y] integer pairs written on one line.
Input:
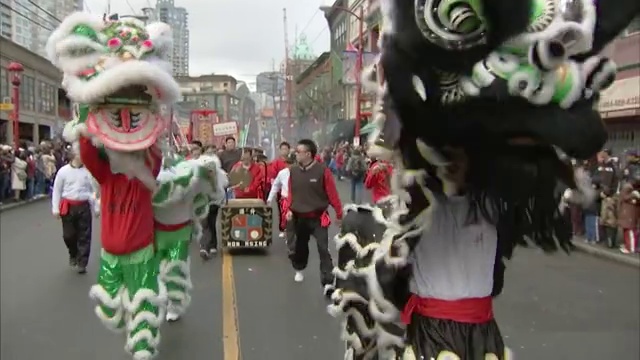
{"points": [[171, 227], [470, 311], [65, 204]]}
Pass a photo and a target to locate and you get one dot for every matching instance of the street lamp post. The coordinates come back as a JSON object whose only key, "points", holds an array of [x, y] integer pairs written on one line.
{"points": [[15, 69], [359, 64]]}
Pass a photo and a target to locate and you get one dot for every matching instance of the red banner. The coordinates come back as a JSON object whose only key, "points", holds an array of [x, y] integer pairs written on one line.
{"points": [[202, 122]]}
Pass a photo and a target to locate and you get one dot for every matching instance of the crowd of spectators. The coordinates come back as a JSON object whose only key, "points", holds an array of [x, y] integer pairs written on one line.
{"points": [[27, 172], [615, 213]]}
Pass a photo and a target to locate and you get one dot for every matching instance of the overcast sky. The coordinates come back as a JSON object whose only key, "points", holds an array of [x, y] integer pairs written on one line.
{"points": [[238, 37]]}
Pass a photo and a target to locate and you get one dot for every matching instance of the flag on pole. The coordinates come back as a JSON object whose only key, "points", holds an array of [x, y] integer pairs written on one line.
{"points": [[350, 47]]}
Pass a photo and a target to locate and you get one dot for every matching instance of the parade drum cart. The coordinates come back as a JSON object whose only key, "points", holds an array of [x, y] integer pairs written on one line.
{"points": [[246, 223]]}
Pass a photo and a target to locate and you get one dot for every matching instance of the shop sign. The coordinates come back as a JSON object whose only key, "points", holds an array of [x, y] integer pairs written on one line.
{"points": [[623, 94]]}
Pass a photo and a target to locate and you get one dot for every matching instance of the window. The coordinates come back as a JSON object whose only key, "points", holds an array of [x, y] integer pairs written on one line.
{"points": [[4, 84], [28, 93], [46, 96]]}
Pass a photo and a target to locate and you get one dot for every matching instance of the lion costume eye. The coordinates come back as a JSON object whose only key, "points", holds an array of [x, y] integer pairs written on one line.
{"points": [[450, 24]]}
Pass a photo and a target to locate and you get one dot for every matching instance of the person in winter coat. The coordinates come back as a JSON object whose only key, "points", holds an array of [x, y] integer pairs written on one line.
{"points": [[340, 163], [628, 213], [357, 170], [378, 179], [631, 173], [19, 174], [605, 179], [609, 219]]}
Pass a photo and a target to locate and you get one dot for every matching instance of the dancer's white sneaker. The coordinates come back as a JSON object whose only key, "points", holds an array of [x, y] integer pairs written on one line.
{"points": [[299, 276], [281, 235], [172, 316]]}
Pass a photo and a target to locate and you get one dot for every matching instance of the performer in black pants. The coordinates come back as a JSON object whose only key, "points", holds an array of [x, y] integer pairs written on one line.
{"points": [[311, 190], [209, 246], [73, 194]]}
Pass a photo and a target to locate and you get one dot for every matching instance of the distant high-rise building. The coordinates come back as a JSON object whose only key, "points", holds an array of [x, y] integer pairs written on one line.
{"points": [[30, 23], [178, 18]]}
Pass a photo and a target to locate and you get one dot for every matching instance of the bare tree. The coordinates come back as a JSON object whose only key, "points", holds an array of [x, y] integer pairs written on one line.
{"points": [[314, 102]]}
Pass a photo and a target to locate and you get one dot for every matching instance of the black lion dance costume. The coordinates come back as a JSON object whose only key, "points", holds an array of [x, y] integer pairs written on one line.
{"points": [[481, 103]]}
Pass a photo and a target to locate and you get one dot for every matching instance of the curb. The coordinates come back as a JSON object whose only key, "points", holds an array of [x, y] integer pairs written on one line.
{"points": [[624, 259], [21, 203]]}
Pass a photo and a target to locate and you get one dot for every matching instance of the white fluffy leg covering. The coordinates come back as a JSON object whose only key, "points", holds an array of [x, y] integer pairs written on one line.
{"points": [[137, 317], [113, 322], [176, 276]]}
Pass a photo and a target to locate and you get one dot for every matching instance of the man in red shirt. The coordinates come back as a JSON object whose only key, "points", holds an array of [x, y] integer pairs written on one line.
{"points": [[254, 190], [378, 179], [280, 163], [275, 167]]}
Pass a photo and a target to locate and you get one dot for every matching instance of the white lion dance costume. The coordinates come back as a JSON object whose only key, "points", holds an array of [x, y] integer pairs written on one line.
{"points": [[118, 73], [181, 203], [480, 103]]}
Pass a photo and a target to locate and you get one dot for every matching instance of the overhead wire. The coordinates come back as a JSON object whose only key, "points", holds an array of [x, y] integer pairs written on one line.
{"points": [[42, 9], [35, 14], [324, 28], [315, 13], [131, 7]]}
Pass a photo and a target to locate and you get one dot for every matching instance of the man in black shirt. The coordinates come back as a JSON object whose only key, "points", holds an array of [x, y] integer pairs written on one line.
{"points": [[231, 155]]}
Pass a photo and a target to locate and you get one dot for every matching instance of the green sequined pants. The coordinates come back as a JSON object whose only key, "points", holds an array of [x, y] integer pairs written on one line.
{"points": [[173, 254], [131, 298]]}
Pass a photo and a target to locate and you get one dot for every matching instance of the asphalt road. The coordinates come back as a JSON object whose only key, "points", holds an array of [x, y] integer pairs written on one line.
{"points": [[553, 307]]}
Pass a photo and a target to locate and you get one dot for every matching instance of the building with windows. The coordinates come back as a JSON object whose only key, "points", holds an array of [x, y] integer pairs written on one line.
{"points": [[217, 92], [338, 21], [620, 103], [29, 23], [44, 107], [178, 18], [270, 83], [345, 33]]}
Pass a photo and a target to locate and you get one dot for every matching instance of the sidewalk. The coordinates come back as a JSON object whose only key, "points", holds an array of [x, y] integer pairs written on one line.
{"points": [[607, 253], [11, 205]]}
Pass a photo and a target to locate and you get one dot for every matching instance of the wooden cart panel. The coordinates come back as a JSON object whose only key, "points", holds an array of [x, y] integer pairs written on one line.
{"points": [[246, 223]]}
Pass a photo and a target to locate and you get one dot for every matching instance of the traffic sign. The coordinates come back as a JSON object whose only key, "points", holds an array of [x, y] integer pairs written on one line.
{"points": [[6, 106]]}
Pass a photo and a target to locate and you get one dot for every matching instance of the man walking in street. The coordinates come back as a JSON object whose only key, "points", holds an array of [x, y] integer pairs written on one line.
{"points": [[71, 202], [311, 190]]}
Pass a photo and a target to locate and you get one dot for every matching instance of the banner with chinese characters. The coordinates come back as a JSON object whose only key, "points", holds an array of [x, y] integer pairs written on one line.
{"points": [[202, 122]]}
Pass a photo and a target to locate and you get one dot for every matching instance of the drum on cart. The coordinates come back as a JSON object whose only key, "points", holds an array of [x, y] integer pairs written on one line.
{"points": [[246, 223]]}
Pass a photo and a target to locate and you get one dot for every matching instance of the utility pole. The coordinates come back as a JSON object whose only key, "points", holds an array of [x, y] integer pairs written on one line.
{"points": [[287, 69], [274, 81]]}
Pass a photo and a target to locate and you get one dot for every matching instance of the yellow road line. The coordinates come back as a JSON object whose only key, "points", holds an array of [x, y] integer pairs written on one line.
{"points": [[230, 329]]}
